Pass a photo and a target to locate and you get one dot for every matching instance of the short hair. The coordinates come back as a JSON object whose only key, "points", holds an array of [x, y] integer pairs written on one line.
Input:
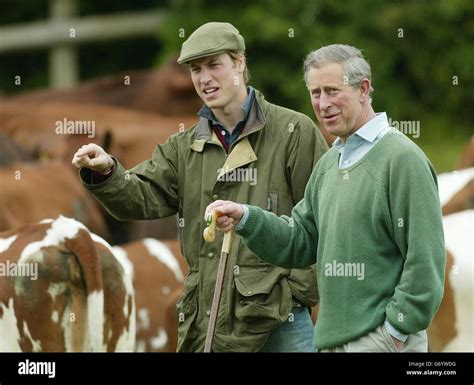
{"points": [[234, 56], [354, 65]]}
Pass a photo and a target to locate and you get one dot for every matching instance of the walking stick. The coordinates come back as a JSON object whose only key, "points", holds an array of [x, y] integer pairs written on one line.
{"points": [[209, 236]]}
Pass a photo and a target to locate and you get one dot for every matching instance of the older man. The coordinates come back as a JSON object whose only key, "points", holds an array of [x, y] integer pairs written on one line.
{"points": [[245, 149], [370, 218]]}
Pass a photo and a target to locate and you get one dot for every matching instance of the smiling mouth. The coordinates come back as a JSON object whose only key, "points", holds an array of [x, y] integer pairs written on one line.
{"points": [[210, 91], [330, 118]]}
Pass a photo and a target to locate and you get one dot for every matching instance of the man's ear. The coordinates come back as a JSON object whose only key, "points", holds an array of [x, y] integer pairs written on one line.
{"points": [[241, 63], [364, 88]]}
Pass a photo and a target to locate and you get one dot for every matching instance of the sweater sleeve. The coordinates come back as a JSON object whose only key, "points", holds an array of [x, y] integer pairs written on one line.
{"points": [[288, 242], [417, 225]]}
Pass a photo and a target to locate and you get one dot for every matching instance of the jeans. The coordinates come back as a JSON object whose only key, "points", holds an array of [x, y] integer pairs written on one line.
{"points": [[294, 335]]}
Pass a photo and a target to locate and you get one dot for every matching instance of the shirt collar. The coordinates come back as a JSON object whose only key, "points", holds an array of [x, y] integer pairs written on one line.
{"points": [[206, 112], [368, 132]]}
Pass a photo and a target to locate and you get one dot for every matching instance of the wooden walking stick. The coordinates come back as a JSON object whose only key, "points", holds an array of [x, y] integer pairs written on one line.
{"points": [[209, 236]]}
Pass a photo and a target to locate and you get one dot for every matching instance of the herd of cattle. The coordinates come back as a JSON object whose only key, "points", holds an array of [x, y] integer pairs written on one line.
{"points": [[78, 293]]}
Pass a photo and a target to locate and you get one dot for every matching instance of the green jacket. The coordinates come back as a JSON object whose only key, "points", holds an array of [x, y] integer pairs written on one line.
{"points": [[191, 170]]}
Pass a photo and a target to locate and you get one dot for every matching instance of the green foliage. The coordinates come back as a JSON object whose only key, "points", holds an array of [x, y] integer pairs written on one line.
{"points": [[421, 52], [415, 48]]}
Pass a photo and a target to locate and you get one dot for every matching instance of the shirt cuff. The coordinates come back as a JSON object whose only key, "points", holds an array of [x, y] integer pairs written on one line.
{"points": [[243, 220], [394, 332]]}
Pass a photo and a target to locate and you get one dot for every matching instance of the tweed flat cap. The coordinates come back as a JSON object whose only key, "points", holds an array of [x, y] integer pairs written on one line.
{"points": [[210, 39]]}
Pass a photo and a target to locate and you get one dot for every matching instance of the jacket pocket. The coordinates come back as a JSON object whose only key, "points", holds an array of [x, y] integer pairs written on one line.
{"points": [[263, 302], [187, 309]]}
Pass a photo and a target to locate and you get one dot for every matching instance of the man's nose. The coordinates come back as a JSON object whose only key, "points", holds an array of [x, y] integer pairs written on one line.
{"points": [[324, 101], [205, 77]]}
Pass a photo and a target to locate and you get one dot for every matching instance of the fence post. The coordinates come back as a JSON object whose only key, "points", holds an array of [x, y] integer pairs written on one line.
{"points": [[63, 58]]}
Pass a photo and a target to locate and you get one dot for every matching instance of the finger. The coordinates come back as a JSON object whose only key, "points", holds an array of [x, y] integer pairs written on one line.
{"points": [[226, 223], [222, 220], [84, 151], [99, 161], [84, 161], [228, 209], [81, 161], [212, 206], [226, 229]]}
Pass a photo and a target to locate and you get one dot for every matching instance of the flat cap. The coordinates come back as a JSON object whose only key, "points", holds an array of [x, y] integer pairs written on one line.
{"points": [[211, 39]]}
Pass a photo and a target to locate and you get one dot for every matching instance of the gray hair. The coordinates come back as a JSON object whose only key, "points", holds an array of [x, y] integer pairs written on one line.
{"points": [[354, 65]]}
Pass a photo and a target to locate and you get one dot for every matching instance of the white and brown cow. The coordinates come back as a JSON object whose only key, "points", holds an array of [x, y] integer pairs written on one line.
{"points": [[62, 289], [158, 271], [30, 192], [452, 328]]}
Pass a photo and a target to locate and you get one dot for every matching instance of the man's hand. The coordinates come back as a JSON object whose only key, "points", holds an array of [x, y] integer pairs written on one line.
{"points": [[230, 214], [93, 157]]}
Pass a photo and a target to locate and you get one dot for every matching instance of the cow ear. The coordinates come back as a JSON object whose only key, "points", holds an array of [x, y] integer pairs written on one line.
{"points": [[107, 141]]}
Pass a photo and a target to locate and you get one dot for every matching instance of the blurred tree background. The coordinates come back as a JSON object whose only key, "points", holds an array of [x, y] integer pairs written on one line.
{"points": [[421, 53]]}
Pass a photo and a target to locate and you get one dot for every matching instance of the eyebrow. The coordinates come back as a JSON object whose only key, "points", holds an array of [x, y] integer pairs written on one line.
{"points": [[208, 62]]}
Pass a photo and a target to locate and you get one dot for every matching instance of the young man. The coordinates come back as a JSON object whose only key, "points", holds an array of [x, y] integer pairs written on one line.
{"points": [[245, 149], [370, 218]]}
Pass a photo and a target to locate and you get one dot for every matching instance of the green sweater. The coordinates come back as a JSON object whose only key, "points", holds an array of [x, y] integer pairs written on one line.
{"points": [[376, 233]]}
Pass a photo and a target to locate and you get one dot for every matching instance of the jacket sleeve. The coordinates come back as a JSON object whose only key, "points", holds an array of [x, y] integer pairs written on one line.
{"points": [[306, 147], [288, 242], [147, 191], [418, 232]]}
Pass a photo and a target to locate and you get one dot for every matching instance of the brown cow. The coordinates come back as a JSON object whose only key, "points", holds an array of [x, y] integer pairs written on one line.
{"points": [[452, 327], [158, 276], [63, 290], [11, 152], [32, 192], [462, 200], [167, 91], [43, 129], [131, 136]]}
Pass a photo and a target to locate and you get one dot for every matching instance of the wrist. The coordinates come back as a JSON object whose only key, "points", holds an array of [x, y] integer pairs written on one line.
{"points": [[243, 219], [107, 171]]}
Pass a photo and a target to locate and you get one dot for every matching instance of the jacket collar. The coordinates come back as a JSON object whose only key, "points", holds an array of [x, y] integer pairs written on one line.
{"points": [[255, 122]]}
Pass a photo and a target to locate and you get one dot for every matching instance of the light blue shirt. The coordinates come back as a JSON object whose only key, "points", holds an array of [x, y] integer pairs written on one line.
{"points": [[361, 141]]}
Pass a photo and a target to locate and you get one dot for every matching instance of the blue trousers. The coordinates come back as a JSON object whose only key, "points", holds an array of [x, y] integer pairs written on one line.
{"points": [[294, 335]]}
